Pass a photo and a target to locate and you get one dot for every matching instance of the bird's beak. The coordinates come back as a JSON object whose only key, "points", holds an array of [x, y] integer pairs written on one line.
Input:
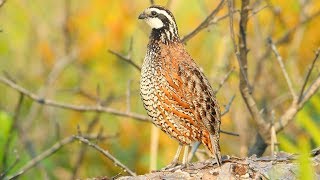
{"points": [[142, 16]]}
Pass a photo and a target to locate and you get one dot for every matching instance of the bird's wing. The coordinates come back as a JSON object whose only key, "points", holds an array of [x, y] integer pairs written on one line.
{"points": [[190, 90], [203, 97]]}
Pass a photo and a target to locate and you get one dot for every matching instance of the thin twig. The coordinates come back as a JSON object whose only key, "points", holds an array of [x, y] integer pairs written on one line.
{"points": [[218, 19], [33, 162], [225, 78], [254, 12], [229, 133], [285, 37], [226, 110], [241, 54], [317, 53], [83, 149], [288, 116], [204, 23], [227, 107], [314, 87], [81, 108], [106, 153], [283, 69], [243, 67], [48, 88], [126, 59]]}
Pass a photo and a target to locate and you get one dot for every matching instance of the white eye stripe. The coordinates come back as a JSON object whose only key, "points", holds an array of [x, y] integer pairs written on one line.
{"points": [[165, 13]]}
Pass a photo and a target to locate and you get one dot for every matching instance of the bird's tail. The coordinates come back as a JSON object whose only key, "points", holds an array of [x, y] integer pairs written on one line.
{"points": [[212, 143], [216, 148]]}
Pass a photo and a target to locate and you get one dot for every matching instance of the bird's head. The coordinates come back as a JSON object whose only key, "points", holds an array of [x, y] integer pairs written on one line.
{"points": [[161, 21]]}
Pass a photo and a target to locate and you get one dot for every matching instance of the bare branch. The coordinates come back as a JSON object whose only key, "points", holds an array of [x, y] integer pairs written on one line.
{"points": [[105, 153], [48, 88], [288, 116], [311, 91], [256, 11], [204, 23], [283, 69], [241, 55], [283, 39], [243, 67], [227, 107], [308, 74], [33, 162], [81, 108], [229, 133], [218, 19], [286, 36], [225, 78], [126, 59], [83, 149]]}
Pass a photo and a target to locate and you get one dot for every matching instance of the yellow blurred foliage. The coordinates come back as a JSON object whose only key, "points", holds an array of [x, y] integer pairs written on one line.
{"points": [[46, 52]]}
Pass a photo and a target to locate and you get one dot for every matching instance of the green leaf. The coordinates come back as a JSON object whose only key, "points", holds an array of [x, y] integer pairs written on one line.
{"points": [[304, 120], [305, 166], [287, 145], [5, 125]]}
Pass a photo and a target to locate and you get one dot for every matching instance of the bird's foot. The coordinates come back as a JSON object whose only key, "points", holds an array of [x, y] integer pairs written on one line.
{"points": [[175, 166], [224, 158], [171, 166]]}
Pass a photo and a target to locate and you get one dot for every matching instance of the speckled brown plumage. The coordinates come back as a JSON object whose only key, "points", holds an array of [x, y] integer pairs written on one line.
{"points": [[176, 94]]}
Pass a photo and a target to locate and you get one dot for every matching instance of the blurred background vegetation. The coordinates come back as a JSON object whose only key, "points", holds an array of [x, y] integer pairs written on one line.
{"points": [[58, 49]]}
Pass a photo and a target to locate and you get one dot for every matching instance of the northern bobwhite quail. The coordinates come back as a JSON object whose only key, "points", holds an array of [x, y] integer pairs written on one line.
{"points": [[176, 94]]}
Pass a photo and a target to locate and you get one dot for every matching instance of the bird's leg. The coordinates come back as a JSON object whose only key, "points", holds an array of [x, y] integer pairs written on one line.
{"points": [[176, 158], [185, 156], [194, 149], [216, 149], [177, 155]]}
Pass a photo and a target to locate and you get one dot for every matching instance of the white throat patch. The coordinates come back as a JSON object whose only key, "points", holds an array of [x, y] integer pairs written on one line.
{"points": [[155, 23]]}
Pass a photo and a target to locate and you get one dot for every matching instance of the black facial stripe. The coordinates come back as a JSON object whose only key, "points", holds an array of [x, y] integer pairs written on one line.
{"points": [[164, 19], [162, 8]]}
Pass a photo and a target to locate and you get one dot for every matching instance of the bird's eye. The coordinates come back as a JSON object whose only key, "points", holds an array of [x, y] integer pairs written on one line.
{"points": [[153, 13]]}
